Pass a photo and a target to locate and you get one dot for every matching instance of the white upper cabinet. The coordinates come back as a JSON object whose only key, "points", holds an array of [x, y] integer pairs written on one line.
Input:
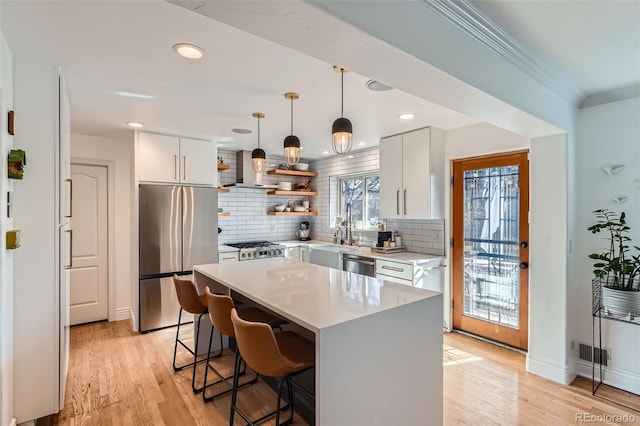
{"points": [[172, 159], [412, 175]]}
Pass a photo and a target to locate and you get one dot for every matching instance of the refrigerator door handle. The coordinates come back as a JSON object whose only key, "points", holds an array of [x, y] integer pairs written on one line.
{"points": [[70, 264]]}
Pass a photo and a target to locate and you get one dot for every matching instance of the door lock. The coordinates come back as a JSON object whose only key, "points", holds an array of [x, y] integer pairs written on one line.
{"points": [[524, 244], [523, 265]]}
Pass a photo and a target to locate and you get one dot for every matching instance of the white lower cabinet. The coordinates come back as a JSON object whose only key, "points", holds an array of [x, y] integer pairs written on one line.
{"points": [[300, 253], [231, 256], [397, 272]]}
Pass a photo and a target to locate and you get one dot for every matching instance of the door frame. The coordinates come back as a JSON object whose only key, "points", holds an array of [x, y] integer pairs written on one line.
{"points": [[526, 183], [111, 231]]}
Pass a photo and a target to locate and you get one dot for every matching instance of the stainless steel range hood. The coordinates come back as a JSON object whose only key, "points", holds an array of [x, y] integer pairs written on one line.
{"points": [[245, 176]]}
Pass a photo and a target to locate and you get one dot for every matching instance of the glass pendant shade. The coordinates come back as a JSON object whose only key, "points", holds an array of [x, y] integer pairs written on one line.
{"points": [[258, 156], [291, 142], [342, 135], [342, 129], [292, 149], [258, 160]]}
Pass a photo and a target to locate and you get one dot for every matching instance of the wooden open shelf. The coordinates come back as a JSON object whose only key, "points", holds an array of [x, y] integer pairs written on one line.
{"points": [[312, 213], [305, 193], [291, 173], [224, 213], [223, 190], [223, 166]]}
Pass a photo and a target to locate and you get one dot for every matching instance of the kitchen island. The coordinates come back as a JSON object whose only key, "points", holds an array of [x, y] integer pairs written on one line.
{"points": [[378, 343]]}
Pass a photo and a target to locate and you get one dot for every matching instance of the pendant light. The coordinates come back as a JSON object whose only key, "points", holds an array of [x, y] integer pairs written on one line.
{"points": [[291, 142], [258, 156], [342, 129]]}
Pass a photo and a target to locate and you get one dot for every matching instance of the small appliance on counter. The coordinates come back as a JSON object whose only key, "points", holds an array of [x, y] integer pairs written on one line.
{"points": [[382, 237], [303, 233]]}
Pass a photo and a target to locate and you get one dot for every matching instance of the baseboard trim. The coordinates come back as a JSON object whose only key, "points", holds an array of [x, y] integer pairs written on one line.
{"points": [[132, 318], [550, 371], [616, 377], [123, 314]]}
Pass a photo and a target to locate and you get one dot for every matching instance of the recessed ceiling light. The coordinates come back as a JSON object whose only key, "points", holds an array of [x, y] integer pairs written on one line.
{"points": [[376, 86], [362, 143], [134, 124], [406, 116], [241, 131], [190, 51], [325, 152]]}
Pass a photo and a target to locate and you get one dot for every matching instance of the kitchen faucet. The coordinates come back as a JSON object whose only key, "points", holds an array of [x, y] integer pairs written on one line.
{"points": [[350, 239]]}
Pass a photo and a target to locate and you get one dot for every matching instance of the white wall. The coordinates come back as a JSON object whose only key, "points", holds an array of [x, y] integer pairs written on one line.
{"points": [[117, 151], [467, 142], [607, 134], [548, 328], [6, 257]]}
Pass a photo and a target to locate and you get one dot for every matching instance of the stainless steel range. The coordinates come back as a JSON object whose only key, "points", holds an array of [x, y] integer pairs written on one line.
{"points": [[258, 250]]}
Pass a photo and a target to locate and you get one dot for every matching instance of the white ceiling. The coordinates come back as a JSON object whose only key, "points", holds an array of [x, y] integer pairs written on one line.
{"points": [[110, 47], [590, 46], [125, 46]]}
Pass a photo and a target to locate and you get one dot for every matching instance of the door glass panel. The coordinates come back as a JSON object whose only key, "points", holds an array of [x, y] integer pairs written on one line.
{"points": [[491, 245]]}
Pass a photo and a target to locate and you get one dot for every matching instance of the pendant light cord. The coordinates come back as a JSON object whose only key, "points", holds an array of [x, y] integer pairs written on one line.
{"points": [[258, 132], [292, 115], [341, 92]]}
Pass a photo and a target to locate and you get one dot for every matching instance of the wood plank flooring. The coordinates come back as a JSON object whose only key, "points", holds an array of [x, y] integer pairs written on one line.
{"points": [[117, 377]]}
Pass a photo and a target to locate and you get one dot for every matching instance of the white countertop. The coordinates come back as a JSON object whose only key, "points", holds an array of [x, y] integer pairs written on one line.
{"points": [[227, 249], [313, 296]]}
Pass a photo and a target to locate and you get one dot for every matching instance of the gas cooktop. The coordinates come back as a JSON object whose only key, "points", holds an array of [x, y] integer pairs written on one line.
{"points": [[258, 249]]}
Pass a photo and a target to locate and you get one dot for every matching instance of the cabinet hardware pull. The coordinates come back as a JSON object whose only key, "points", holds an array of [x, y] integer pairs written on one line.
{"points": [[175, 167], [229, 258], [398, 202], [405, 201], [70, 181], [70, 265], [391, 268], [184, 167]]}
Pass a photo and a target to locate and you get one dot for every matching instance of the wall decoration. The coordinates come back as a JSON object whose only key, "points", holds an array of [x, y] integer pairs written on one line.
{"points": [[613, 169], [16, 161], [10, 123]]}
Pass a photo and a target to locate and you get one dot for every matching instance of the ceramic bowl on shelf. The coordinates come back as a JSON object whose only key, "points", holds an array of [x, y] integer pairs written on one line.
{"points": [[303, 167], [299, 209], [280, 207], [284, 186]]}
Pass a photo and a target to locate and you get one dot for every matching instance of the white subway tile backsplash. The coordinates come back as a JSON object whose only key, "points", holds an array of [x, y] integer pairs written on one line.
{"points": [[248, 207]]}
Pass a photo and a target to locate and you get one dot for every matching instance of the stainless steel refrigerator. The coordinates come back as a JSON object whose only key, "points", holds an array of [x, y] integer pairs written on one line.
{"points": [[178, 229]]}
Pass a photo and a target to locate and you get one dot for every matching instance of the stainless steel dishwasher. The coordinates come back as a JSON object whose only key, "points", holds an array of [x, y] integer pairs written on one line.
{"points": [[359, 264]]}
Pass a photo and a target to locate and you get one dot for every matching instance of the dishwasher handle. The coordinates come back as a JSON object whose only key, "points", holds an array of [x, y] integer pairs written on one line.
{"points": [[358, 259]]}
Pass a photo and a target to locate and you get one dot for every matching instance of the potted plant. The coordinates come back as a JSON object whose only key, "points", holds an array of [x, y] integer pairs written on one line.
{"points": [[617, 269]]}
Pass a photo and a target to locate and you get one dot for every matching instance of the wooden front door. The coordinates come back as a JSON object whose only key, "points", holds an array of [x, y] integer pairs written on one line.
{"points": [[490, 247]]}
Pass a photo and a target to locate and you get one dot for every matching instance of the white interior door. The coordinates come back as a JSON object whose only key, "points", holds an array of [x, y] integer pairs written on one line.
{"points": [[89, 274]]}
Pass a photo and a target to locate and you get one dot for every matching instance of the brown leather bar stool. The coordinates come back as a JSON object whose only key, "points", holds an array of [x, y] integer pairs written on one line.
{"points": [[195, 304], [279, 355], [220, 314]]}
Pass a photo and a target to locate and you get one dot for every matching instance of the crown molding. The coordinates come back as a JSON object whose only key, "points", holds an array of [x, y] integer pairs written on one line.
{"points": [[478, 26], [611, 96]]}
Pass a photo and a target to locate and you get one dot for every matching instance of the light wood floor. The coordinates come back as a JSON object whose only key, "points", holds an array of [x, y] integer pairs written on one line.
{"points": [[117, 377]]}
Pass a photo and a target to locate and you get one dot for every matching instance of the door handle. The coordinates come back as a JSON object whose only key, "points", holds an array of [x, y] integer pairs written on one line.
{"points": [[70, 181], [524, 244], [404, 199], [70, 265], [523, 265], [175, 167], [391, 268], [184, 167], [398, 202]]}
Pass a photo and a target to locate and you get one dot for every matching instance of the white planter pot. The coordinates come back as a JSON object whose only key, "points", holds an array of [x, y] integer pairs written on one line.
{"points": [[620, 302]]}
